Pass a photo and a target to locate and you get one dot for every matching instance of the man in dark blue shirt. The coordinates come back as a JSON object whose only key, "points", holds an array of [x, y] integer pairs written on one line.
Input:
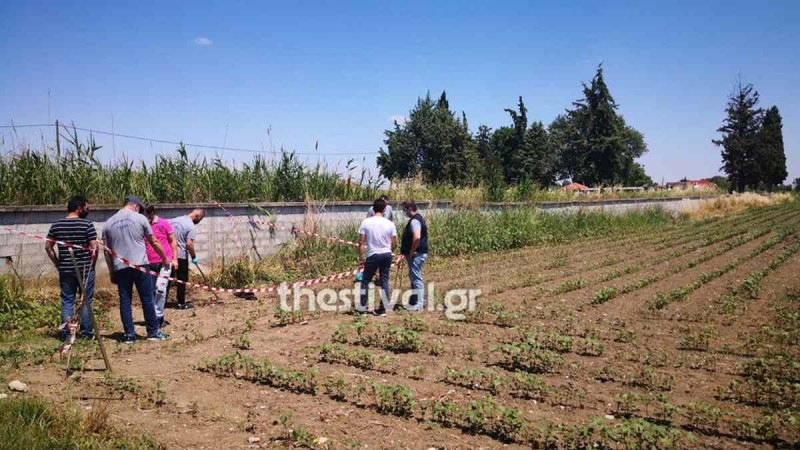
{"points": [[415, 249], [76, 230]]}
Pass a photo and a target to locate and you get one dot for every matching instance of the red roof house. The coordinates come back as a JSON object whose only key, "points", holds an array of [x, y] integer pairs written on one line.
{"points": [[575, 187]]}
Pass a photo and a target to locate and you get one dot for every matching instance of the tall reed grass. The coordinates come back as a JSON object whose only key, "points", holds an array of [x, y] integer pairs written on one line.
{"points": [[46, 177]]}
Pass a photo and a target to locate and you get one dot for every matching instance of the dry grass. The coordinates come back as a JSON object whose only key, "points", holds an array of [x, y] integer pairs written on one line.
{"points": [[415, 188], [730, 204]]}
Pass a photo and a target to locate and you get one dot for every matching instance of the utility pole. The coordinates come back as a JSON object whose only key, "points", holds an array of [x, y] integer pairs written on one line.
{"points": [[58, 142]]}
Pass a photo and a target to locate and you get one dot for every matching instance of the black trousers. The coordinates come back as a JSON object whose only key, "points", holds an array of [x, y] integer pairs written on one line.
{"points": [[183, 275], [381, 264]]}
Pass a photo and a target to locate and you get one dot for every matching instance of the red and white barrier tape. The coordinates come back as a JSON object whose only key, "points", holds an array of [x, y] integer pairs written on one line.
{"points": [[71, 325], [141, 268]]}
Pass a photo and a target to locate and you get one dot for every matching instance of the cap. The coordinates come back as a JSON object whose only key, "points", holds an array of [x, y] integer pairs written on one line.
{"points": [[133, 199]]}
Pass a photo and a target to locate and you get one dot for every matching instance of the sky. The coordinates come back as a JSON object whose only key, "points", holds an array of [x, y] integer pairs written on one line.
{"points": [[327, 78]]}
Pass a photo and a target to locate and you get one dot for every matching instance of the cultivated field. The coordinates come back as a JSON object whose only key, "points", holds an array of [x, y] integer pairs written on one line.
{"points": [[683, 338]]}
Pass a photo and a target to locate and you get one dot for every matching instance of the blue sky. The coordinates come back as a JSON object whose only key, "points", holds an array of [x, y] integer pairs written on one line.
{"points": [[338, 72]]}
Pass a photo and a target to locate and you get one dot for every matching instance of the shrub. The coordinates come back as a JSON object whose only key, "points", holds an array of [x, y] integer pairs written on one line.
{"points": [[484, 417], [487, 379], [531, 359], [625, 336], [394, 399], [698, 341], [527, 386], [604, 295], [337, 388], [651, 380], [590, 347]]}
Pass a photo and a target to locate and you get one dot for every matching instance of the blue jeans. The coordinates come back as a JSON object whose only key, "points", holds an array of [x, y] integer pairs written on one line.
{"points": [[70, 288], [381, 262], [126, 279], [417, 299]]}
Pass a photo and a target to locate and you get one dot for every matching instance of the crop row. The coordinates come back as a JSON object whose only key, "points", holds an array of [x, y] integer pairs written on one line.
{"points": [[508, 318], [706, 418], [750, 287], [605, 294], [485, 416], [609, 293], [521, 276], [518, 273], [662, 299]]}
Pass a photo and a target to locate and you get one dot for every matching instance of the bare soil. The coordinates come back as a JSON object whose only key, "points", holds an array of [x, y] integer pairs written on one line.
{"points": [[184, 407]]}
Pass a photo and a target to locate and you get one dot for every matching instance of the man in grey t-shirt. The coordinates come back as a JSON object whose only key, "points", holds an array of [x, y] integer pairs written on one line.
{"points": [[185, 234], [387, 213], [125, 234]]}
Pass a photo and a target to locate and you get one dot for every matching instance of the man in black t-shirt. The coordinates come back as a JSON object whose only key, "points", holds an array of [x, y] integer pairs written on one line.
{"points": [[76, 230]]}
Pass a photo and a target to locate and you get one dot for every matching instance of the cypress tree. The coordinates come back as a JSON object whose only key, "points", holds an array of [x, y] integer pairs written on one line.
{"points": [[771, 157], [739, 142]]}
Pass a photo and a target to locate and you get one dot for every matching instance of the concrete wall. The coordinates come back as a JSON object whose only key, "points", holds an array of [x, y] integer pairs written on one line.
{"points": [[217, 238]]}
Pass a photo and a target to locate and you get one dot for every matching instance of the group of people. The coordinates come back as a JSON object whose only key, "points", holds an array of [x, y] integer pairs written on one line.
{"points": [[137, 235], [377, 241]]}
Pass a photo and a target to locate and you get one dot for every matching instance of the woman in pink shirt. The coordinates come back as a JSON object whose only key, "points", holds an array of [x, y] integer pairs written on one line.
{"points": [[162, 230]]}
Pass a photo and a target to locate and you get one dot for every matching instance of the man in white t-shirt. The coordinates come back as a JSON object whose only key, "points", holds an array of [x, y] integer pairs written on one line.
{"points": [[380, 237]]}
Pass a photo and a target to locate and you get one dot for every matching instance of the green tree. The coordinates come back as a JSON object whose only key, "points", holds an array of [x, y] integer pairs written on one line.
{"points": [[527, 153], [594, 144], [567, 143], [603, 133], [722, 183], [634, 175], [540, 157], [493, 167], [770, 156], [515, 158], [740, 130], [504, 144], [797, 184], [433, 142]]}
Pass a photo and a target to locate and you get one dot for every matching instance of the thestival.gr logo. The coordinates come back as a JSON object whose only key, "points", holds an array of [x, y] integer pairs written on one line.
{"points": [[454, 303]]}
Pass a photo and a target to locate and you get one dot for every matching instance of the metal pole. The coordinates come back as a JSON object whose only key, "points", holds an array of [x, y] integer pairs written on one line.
{"points": [[205, 280], [82, 281], [58, 141]]}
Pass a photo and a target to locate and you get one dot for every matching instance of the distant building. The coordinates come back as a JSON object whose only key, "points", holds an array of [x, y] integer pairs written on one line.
{"points": [[575, 187]]}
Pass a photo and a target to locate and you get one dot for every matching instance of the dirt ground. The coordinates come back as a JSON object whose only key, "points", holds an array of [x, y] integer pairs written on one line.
{"points": [[617, 356]]}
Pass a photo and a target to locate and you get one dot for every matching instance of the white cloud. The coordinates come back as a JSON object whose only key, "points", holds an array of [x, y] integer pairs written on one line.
{"points": [[398, 118], [203, 41]]}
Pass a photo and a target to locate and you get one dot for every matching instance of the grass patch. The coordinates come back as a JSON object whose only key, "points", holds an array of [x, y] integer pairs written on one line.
{"points": [[25, 309], [31, 423]]}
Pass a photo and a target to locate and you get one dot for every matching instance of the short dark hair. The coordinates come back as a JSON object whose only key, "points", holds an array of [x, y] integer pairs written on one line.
{"points": [[379, 205], [410, 204], [384, 197], [149, 209], [75, 202]]}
